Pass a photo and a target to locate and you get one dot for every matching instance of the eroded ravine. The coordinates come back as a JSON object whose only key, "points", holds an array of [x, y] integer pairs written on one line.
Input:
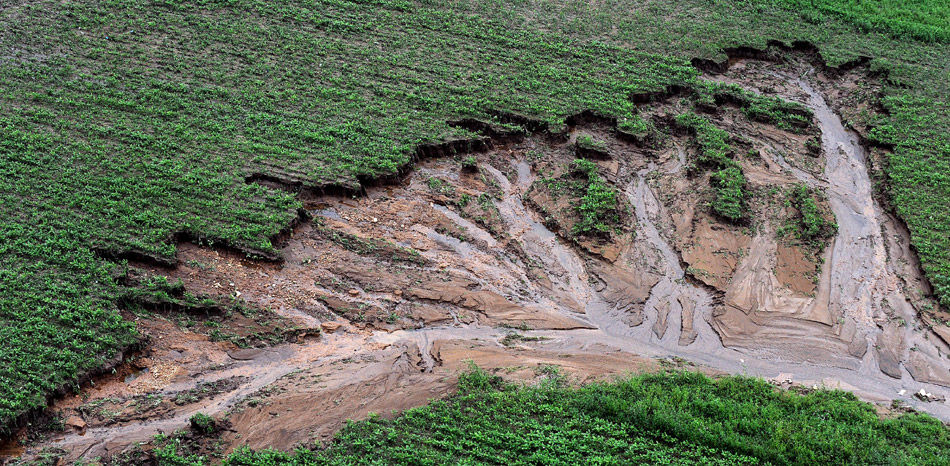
{"points": [[863, 275], [487, 267]]}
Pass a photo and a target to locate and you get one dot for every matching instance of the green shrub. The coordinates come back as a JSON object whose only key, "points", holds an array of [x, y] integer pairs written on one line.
{"points": [[636, 125], [730, 201], [586, 141], [598, 204], [812, 226], [202, 423], [469, 164]]}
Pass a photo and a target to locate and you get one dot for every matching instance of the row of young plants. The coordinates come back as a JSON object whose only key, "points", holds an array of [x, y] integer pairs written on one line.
{"points": [[674, 418], [924, 20]]}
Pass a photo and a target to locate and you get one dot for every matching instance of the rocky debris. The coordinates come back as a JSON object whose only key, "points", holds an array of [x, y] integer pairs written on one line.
{"points": [[783, 380], [925, 396], [927, 368], [76, 422], [659, 325], [687, 334], [330, 327], [889, 348]]}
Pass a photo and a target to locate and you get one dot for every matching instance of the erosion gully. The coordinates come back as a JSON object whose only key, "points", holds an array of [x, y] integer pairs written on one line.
{"points": [[677, 314]]}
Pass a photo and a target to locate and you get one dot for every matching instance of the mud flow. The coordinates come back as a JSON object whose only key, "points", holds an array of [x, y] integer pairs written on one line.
{"points": [[480, 256]]}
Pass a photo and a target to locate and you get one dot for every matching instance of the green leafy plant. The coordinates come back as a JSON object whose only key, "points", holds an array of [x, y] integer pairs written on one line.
{"points": [[813, 227], [731, 194], [598, 204], [202, 423]]}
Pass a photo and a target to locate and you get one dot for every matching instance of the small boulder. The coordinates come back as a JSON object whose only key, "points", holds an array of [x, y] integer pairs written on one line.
{"points": [[330, 327], [924, 395], [76, 422]]}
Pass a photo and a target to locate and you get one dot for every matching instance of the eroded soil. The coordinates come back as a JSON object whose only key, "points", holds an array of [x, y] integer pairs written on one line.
{"points": [[392, 292]]}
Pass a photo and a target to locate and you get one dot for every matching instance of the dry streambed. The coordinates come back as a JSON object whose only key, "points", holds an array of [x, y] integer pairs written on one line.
{"points": [[473, 258]]}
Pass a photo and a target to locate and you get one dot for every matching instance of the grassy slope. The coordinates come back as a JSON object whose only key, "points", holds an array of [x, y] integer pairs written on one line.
{"points": [[926, 20], [124, 122], [671, 418]]}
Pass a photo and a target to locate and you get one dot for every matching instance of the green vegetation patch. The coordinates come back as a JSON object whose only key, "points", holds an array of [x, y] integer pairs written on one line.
{"points": [[598, 206], [731, 194], [589, 146], [925, 20], [790, 116], [731, 199], [202, 423], [714, 148], [637, 126], [57, 317], [667, 418], [812, 225]]}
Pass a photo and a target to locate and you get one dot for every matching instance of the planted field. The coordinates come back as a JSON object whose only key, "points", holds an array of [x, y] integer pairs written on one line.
{"points": [[129, 127], [670, 418]]}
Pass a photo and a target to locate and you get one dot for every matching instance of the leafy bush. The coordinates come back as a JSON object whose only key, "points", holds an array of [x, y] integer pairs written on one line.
{"points": [[636, 125], [598, 204], [812, 226], [202, 423], [731, 194], [586, 141], [470, 164]]}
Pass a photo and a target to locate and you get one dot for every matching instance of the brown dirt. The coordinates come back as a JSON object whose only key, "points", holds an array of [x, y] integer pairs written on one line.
{"points": [[794, 268], [713, 250], [311, 405]]}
